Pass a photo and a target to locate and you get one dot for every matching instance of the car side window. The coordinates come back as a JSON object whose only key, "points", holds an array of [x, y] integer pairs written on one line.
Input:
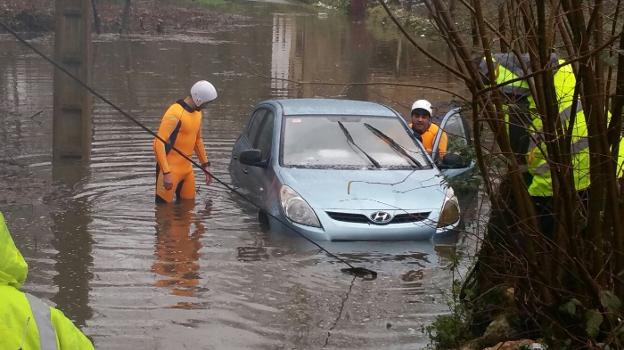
{"points": [[254, 125], [457, 136], [459, 151], [265, 136]]}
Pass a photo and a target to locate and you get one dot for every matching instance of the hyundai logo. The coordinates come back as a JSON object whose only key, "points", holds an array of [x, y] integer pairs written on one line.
{"points": [[381, 217]]}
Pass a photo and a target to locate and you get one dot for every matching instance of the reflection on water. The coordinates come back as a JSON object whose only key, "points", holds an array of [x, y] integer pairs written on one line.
{"points": [[178, 236], [282, 44], [203, 274], [73, 243]]}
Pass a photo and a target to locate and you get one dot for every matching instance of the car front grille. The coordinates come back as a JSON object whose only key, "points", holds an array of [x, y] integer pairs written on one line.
{"points": [[409, 217], [363, 219], [348, 217]]}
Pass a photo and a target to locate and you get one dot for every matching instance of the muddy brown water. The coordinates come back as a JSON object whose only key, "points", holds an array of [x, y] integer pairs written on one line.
{"points": [[137, 276]]}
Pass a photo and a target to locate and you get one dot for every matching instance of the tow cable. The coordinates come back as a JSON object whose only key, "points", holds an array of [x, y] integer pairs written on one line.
{"points": [[361, 272]]}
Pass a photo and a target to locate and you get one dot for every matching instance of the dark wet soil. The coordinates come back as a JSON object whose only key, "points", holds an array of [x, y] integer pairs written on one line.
{"points": [[143, 17]]}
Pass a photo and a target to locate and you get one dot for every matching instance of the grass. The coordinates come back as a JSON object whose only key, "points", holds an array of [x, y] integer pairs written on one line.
{"points": [[210, 3]]}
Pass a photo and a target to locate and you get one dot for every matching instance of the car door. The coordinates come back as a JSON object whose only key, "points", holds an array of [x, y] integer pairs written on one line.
{"points": [[261, 179], [238, 171], [459, 157]]}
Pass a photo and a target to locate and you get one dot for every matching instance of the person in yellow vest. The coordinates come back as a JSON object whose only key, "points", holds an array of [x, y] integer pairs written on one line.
{"points": [[425, 129], [526, 132], [181, 128], [26, 322]]}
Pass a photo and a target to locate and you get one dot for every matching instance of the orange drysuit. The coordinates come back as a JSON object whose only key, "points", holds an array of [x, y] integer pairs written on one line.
{"points": [[181, 127], [428, 137]]}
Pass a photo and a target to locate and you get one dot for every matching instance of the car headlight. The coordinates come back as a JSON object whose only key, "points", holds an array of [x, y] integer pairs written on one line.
{"points": [[449, 214], [296, 208]]}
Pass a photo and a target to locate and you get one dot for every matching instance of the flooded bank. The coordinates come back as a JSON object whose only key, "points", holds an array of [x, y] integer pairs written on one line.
{"points": [[137, 276]]}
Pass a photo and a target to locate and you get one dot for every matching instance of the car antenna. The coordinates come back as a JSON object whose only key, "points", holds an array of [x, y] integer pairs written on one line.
{"points": [[362, 272]]}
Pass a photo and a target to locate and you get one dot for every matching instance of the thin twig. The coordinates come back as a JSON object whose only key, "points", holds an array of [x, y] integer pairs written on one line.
{"points": [[370, 83]]}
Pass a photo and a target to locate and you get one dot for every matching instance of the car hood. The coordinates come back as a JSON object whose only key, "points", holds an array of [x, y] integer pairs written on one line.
{"points": [[367, 189]]}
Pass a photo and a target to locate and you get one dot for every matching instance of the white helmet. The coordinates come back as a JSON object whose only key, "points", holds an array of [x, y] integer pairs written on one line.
{"points": [[202, 92], [422, 104]]}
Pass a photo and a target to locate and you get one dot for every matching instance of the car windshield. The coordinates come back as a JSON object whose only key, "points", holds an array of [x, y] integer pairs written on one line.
{"points": [[321, 142]]}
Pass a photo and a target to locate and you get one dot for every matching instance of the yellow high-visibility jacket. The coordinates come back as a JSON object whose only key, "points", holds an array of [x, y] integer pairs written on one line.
{"points": [[26, 322], [508, 68]]}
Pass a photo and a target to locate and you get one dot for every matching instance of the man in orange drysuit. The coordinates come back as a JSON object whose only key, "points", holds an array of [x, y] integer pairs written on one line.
{"points": [[181, 128], [426, 130]]}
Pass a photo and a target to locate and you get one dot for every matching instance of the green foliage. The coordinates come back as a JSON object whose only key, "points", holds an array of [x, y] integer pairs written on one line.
{"points": [[205, 3], [458, 144], [450, 331], [382, 27], [605, 347], [609, 59], [610, 301], [470, 315], [211, 3], [339, 5], [466, 183], [569, 308], [454, 261], [593, 321]]}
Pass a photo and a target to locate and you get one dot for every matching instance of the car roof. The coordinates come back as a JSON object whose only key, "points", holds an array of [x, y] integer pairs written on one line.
{"points": [[321, 106]]}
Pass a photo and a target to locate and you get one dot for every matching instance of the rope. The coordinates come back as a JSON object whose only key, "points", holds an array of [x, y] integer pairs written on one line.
{"points": [[357, 271]]}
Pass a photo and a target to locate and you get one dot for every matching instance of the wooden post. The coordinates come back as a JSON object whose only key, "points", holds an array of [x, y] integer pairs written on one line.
{"points": [[72, 103]]}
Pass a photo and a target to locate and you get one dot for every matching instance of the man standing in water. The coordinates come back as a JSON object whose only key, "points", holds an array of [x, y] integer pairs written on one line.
{"points": [[181, 128]]}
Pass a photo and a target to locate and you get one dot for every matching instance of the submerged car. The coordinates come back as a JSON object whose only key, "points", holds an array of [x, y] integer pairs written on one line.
{"points": [[346, 170]]}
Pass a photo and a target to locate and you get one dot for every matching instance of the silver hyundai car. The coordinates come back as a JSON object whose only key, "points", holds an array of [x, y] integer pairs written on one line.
{"points": [[346, 170]]}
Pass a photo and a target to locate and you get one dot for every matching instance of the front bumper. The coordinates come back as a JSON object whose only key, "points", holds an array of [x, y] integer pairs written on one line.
{"points": [[336, 230]]}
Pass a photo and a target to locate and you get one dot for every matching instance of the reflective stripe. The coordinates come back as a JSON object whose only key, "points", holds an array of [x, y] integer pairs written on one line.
{"points": [[515, 90], [512, 71], [511, 62], [576, 148], [504, 74], [41, 311], [579, 145], [564, 117], [542, 169]]}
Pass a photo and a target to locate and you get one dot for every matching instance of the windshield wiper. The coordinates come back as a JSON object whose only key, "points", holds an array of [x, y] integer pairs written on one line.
{"points": [[395, 146], [350, 140]]}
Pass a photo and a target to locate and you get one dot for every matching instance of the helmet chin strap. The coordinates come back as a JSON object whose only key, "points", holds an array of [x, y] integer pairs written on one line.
{"points": [[195, 106], [200, 107]]}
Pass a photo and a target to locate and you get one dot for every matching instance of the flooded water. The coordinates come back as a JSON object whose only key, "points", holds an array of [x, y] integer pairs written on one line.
{"points": [[137, 276]]}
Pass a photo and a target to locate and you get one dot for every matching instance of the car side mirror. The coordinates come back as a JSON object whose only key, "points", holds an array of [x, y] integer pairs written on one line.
{"points": [[452, 161], [252, 157]]}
